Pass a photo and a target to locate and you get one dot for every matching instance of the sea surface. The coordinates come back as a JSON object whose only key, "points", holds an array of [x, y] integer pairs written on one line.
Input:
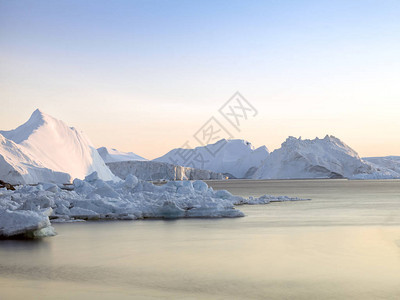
{"points": [[343, 244]]}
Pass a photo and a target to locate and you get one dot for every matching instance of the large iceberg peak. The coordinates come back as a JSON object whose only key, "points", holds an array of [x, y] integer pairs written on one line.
{"points": [[45, 147], [38, 118], [38, 113], [24, 131], [333, 139]]}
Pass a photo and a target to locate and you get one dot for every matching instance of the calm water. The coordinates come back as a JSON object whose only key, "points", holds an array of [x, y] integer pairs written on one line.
{"points": [[345, 243]]}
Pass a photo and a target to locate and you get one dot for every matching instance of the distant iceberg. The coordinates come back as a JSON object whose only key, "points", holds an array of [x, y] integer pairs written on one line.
{"points": [[328, 157], [235, 158], [318, 158]]}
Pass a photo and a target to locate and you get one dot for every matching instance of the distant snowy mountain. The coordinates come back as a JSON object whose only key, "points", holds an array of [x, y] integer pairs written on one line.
{"points": [[46, 149], [235, 157], [113, 155], [319, 158]]}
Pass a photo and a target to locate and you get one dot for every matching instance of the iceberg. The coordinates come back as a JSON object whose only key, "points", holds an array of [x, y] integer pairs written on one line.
{"points": [[236, 158], [318, 158], [45, 149]]}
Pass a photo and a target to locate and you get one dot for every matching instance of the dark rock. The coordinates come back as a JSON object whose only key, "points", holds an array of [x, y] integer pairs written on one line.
{"points": [[6, 185]]}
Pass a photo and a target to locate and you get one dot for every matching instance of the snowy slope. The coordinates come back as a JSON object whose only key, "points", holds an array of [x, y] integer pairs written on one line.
{"points": [[44, 147], [113, 155], [319, 158], [17, 166], [235, 157]]}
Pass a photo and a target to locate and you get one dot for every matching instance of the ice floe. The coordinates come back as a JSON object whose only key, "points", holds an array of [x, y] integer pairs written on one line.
{"points": [[28, 209]]}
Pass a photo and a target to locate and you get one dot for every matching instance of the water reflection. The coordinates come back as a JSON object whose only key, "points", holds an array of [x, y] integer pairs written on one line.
{"points": [[342, 244], [24, 245]]}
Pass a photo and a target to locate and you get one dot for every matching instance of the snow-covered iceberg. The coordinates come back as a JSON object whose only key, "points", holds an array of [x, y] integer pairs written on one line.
{"points": [[113, 155], [45, 149], [319, 158], [324, 158], [237, 158], [29, 209], [154, 170]]}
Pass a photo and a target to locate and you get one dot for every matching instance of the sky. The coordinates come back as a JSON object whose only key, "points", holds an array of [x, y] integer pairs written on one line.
{"points": [[145, 76]]}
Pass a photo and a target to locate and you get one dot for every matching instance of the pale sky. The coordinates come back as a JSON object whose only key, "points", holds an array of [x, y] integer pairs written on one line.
{"points": [[144, 76]]}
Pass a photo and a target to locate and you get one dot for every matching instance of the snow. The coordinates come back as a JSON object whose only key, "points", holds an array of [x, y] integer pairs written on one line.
{"points": [[18, 166], [235, 157], [113, 155], [154, 170], [26, 210], [319, 158], [46, 149]]}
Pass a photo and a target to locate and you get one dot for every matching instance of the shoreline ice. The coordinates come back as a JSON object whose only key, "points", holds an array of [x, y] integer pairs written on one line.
{"points": [[29, 210]]}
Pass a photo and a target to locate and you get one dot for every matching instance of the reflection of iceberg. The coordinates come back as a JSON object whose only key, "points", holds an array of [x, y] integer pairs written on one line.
{"points": [[27, 209]]}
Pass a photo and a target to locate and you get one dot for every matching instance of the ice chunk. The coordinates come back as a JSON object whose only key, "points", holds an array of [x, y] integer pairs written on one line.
{"points": [[51, 187], [200, 186], [169, 210], [131, 181], [26, 210], [92, 177], [19, 222], [82, 213]]}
